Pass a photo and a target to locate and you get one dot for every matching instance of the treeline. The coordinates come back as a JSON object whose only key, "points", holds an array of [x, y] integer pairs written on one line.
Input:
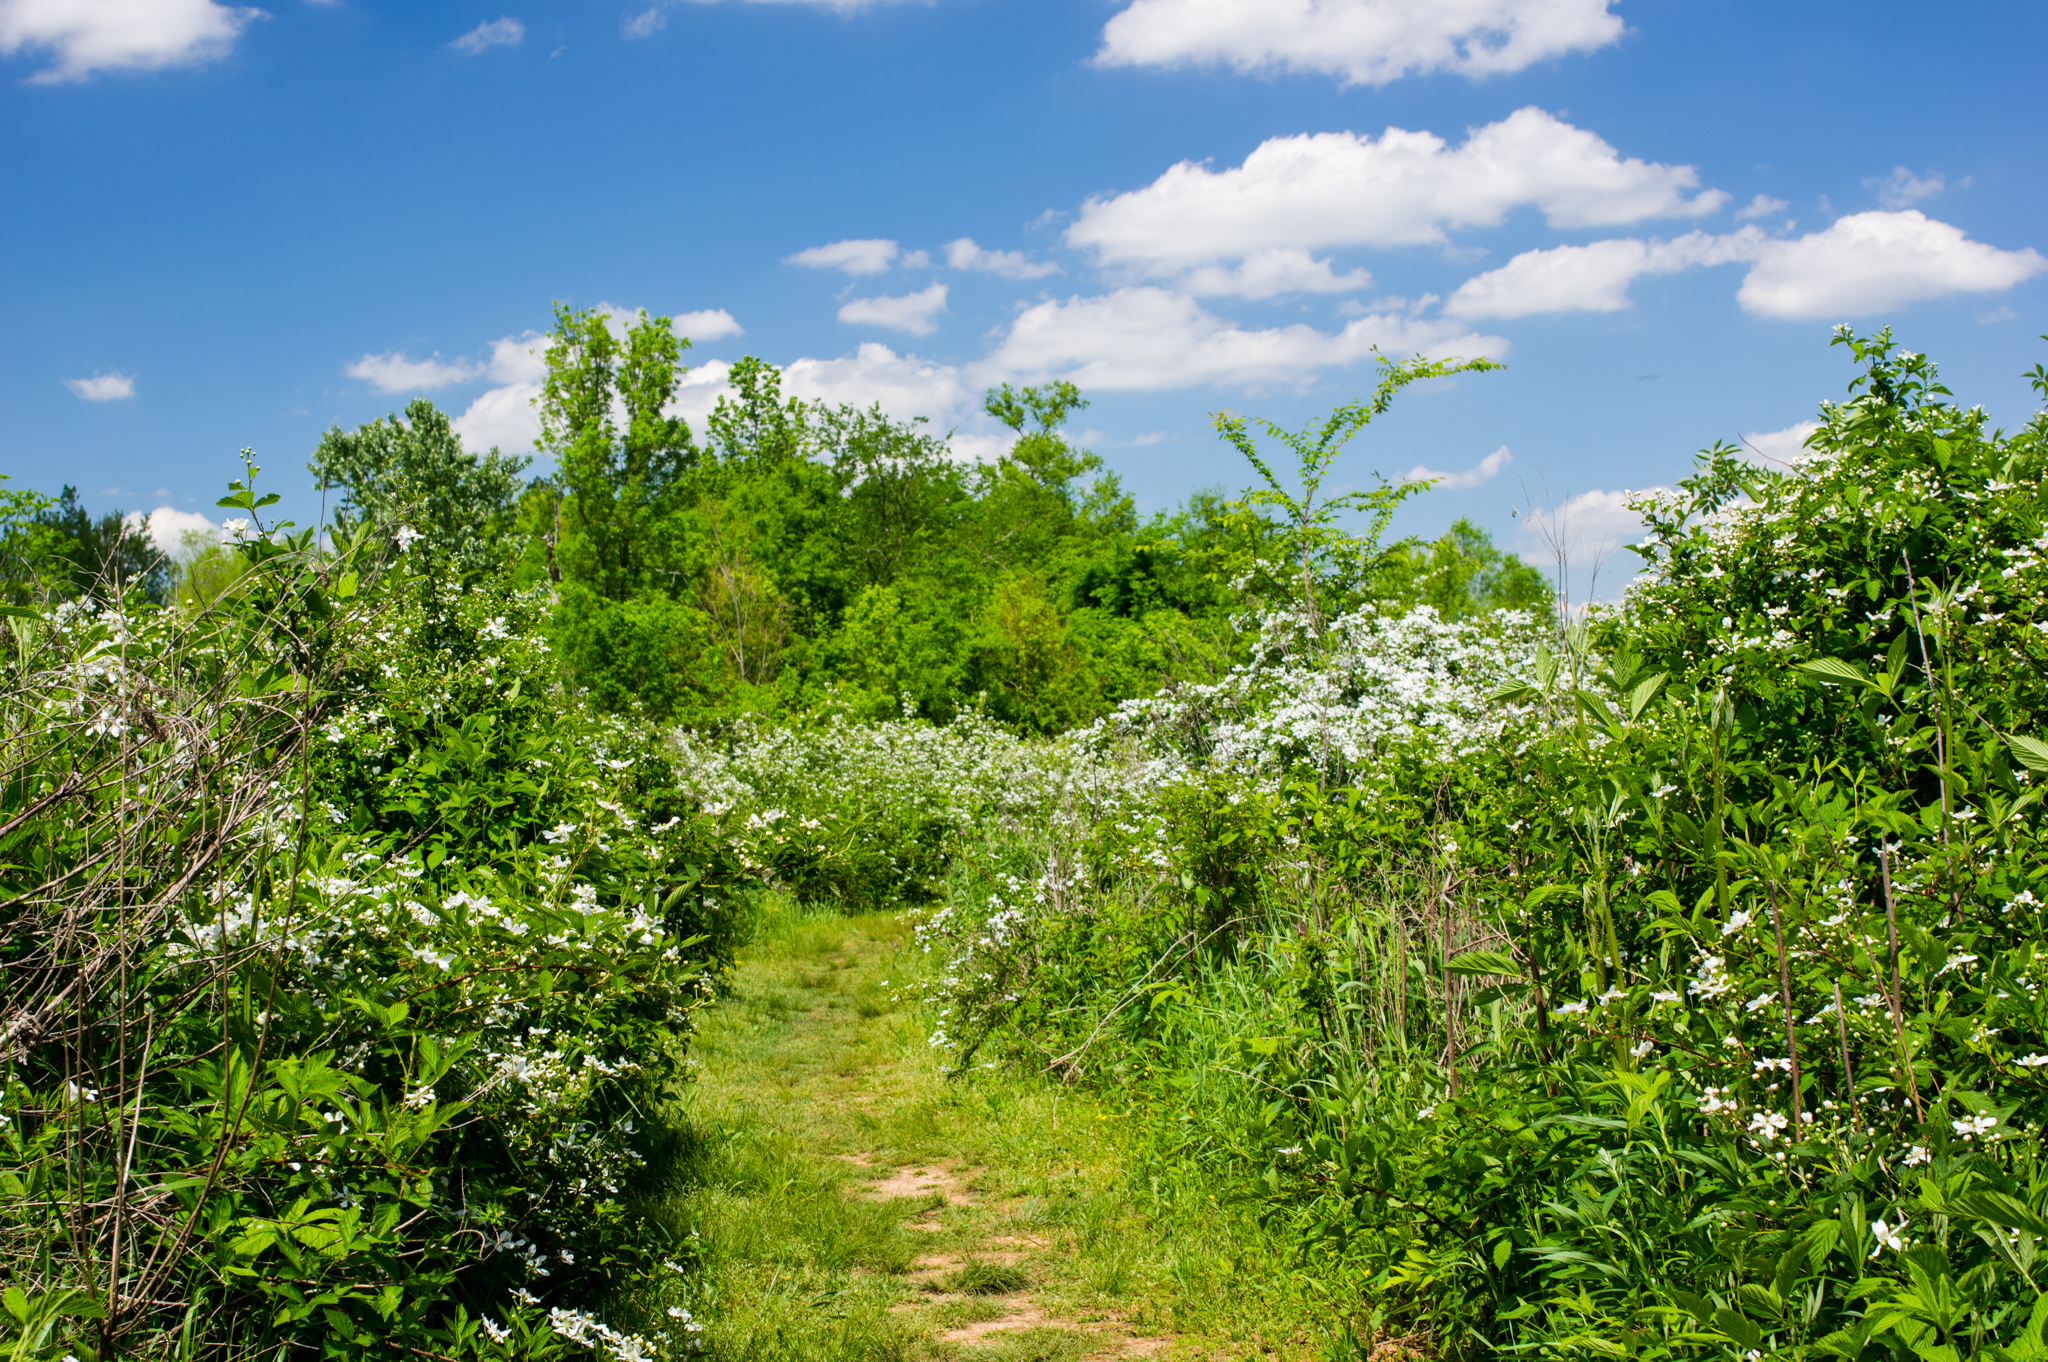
{"points": [[793, 557]]}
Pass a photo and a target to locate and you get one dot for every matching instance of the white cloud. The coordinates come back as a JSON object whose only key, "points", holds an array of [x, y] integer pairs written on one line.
{"points": [[1323, 190], [912, 312], [83, 36], [1152, 339], [1486, 470], [870, 255], [1595, 277], [502, 418], [646, 23], [1902, 188], [1366, 42], [1762, 206], [1778, 448], [1874, 262], [168, 529], [1996, 315], [905, 385], [709, 325], [114, 387], [394, 373], [1268, 273], [495, 33], [965, 255]]}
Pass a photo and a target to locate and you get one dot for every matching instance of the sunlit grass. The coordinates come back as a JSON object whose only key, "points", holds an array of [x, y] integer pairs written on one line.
{"points": [[816, 1085]]}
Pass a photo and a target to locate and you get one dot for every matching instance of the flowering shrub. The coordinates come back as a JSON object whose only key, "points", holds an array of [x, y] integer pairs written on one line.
{"points": [[349, 975], [866, 816], [1668, 987]]}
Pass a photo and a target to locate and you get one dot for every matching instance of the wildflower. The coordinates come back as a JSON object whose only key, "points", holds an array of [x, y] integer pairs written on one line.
{"points": [[2031, 1061], [1735, 923], [1970, 1127], [1887, 1238], [498, 1332], [405, 535]]}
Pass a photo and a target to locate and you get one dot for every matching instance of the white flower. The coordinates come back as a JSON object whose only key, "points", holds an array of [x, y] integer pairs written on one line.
{"points": [[498, 1332], [1887, 1238], [405, 535], [2031, 1061], [1424, 1114], [1735, 923], [1970, 1127]]}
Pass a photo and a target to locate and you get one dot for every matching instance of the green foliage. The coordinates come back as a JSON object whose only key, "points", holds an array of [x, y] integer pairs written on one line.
{"points": [[366, 1037], [412, 480], [617, 484], [1680, 1000], [1312, 540]]}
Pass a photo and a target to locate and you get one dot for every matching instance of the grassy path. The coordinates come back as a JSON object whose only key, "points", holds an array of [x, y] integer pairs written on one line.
{"points": [[851, 1204]]}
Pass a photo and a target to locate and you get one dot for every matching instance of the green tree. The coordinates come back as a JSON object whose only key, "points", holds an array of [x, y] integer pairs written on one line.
{"points": [[619, 478], [1311, 534], [412, 473], [1461, 574]]}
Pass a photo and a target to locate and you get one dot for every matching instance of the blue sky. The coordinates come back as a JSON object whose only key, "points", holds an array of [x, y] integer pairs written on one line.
{"points": [[226, 226]]}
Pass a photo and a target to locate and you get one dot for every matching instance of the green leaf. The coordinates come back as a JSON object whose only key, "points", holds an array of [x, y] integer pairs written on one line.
{"points": [[2032, 753], [1483, 962], [1645, 691], [1833, 669]]}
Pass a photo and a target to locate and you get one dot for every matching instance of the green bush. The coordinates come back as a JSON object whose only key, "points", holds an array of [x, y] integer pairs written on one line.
{"points": [[349, 976], [1668, 989]]}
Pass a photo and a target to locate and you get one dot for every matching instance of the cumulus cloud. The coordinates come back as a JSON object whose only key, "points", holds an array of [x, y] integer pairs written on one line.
{"points": [[393, 372], [709, 325], [1267, 274], [494, 33], [869, 255], [965, 255], [1874, 262], [912, 312], [906, 386], [83, 36], [1319, 191], [1592, 278], [1151, 338], [1484, 471], [114, 387], [1363, 42], [173, 533], [1762, 206], [1902, 188], [1778, 448]]}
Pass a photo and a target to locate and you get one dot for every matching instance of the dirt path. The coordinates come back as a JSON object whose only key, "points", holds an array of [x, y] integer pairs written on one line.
{"points": [[850, 1203]]}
